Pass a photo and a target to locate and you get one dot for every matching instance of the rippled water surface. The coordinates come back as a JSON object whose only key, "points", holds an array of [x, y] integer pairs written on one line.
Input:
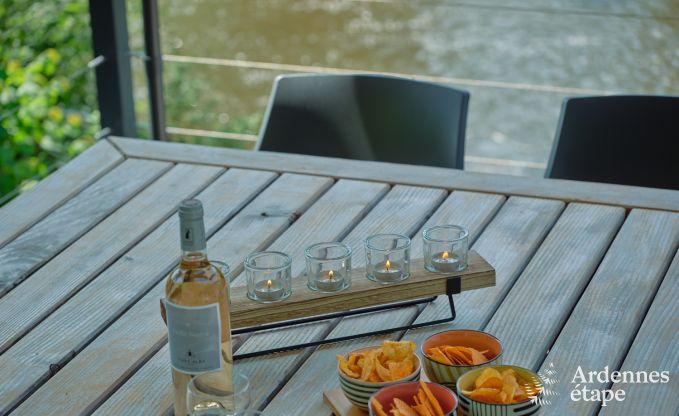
{"points": [[518, 59]]}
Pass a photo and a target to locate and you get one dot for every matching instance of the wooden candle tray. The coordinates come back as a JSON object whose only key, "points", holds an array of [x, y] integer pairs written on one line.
{"points": [[364, 296]]}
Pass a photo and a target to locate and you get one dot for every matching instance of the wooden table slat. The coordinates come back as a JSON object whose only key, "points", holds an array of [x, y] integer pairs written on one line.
{"points": [[318, 372], [618, 195], [32, 205], [655, 348], [630, 273], [58, 229], [537, 306], [54, 283], [155, 398], [53, 342]]}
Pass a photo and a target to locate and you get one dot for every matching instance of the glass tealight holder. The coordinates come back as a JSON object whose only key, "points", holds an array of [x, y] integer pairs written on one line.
{"points": [[328, 267], [269, 276], [387, 258], [445, 248]]}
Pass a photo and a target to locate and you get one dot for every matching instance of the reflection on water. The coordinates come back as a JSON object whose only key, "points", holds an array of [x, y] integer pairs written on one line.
{"points": [[564, 46]]}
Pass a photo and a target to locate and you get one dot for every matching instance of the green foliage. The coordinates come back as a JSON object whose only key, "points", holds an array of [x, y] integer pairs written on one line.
{"points": [[47, 100]]}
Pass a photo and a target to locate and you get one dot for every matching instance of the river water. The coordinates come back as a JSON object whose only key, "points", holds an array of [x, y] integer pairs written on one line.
{"points": [[517, 58]]}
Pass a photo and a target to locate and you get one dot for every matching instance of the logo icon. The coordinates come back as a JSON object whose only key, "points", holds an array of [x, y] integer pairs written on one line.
{"points": [[549, 379]]}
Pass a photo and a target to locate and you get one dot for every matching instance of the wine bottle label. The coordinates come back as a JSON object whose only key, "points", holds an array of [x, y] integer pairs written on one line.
{"points": [[194, 334]]}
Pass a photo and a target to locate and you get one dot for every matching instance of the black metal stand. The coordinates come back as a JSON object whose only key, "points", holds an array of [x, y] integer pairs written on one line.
{"points": [[452, 287]]}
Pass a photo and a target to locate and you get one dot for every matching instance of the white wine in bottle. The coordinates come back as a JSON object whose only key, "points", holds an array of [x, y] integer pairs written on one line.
{"points": [[197, 312]]}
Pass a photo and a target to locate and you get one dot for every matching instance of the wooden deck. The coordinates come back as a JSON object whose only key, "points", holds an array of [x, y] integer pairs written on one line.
{"points": [[586, 274]]}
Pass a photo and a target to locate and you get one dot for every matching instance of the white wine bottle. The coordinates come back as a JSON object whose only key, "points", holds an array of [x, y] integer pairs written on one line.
{"points": [[197, 312]]}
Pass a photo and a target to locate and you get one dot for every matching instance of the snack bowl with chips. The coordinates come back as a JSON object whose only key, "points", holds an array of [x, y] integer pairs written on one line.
{"points": [[450, 354], [366, 370], [500, 390], [414, 398]]}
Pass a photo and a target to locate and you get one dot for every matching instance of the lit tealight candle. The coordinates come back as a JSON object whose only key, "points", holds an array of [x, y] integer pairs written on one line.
{"points": [[445, 263], [269, 291], [386, 272], [330, 282]]}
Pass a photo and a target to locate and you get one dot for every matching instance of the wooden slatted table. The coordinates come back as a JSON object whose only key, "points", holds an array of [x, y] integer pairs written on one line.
{"points": [[586, 274]]}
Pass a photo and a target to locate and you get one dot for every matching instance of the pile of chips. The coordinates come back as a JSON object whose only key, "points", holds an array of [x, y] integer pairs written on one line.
{"points": [[392, 361], [425, 405], [494, 387], [456, 355]]}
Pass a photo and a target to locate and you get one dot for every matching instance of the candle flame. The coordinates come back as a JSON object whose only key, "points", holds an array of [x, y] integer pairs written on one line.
{"points": [[445, 255], [387, 265], [331, 274], [269, 283]]}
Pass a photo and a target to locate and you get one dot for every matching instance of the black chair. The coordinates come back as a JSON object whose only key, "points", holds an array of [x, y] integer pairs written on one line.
{"points": [[366, 117], [629, 140]]}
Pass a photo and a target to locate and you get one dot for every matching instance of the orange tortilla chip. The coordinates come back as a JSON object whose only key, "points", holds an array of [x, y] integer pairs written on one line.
{"points": [[377, 407], [404, 408], [422, 410], [457, 355], [368, 366], [392, 361], [382, 371], [490, 378], [438, 411], [494, 387], [400, 370], [425, 405], [398, 350], [509, 391], [485, 395], [477, 357], [344, 366], [437, 355]]}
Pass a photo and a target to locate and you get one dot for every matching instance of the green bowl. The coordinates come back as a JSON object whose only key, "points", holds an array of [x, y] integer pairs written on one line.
{"points": [[470, 407]]}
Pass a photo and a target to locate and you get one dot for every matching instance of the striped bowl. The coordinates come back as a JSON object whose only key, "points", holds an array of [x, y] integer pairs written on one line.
{"points": [[358, 392], [469, 407], [448, 374]]}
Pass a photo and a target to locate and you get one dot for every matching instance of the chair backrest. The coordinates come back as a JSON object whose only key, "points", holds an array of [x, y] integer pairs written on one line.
{"points": [[366, 117], [629, 140]]}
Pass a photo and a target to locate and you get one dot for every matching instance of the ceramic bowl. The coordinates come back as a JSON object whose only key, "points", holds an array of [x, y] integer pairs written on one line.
{"points": [[448, 374], [405, 391], [358, 392], [470, 407]]}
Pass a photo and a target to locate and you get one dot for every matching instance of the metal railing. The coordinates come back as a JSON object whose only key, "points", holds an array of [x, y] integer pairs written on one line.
{"points": [[108, 19]]}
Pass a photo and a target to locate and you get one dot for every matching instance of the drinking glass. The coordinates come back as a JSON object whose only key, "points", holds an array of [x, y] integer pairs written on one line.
{"points": [[205, 397]]}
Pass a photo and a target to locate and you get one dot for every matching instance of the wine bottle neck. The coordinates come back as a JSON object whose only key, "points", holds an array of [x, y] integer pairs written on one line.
{"points": [[194, 255], [192, 235]]}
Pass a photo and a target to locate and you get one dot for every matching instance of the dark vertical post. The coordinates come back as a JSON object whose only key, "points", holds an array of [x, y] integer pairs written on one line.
{"points": [[114, 77], [154, 68]]}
